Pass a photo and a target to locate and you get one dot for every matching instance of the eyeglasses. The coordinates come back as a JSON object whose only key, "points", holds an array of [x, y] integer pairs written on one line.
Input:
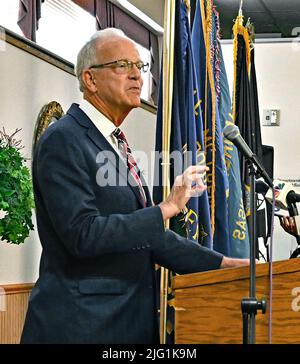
{"points": [[124, 65]]}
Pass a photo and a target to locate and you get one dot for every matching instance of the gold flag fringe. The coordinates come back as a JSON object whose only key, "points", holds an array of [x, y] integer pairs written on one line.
{"points": [[239, 29]]}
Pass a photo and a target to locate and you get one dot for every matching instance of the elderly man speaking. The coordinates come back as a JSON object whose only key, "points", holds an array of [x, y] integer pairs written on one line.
{"points": [[101, 241]]}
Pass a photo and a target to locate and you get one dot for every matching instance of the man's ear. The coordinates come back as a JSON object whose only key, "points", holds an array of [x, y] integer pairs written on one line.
{"points": [[89, 80]]}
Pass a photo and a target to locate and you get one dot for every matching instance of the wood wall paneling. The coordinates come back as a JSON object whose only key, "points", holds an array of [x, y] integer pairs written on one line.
{"points": [[13, 307]]}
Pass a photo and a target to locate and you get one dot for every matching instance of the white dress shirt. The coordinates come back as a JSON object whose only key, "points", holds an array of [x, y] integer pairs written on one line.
{"points": [[102, 123]]}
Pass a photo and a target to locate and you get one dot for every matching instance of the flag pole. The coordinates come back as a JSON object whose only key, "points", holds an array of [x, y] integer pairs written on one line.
{"points": [[168, 66]]}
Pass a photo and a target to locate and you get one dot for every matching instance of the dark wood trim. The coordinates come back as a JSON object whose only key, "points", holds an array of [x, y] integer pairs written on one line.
{"points": [[52, 58], [17, 288]]}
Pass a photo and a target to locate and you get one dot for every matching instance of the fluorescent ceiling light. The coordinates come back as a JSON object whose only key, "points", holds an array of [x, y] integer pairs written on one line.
{"points": [[138, 14]]}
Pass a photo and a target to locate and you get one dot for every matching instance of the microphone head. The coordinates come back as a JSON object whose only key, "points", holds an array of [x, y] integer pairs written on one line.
{"points": [[292, 197], [231, 132]]}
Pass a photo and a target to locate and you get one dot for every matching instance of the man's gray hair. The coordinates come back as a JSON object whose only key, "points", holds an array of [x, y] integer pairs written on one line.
{"points": [[87, 55]]}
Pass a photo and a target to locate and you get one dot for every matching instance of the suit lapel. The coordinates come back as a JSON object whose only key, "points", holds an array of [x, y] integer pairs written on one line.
{"points": [[100, 141]]}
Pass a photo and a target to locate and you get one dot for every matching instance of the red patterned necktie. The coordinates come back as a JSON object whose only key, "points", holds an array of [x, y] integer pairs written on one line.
{"points": [[131, 163]]}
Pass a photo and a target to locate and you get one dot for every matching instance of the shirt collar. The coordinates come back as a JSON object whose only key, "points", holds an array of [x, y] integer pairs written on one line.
{"points": [[102, 123]]}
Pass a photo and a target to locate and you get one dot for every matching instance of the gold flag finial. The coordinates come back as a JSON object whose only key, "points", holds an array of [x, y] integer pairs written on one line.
{"points": [[241, 8], [240, 18]]}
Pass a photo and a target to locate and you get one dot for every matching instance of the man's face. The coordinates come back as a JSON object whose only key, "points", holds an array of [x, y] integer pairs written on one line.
{"points": [[116, 89]]}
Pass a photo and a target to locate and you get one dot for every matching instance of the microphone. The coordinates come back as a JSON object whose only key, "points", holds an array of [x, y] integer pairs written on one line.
{"points": [[292, 197], [232, 133], [285, 195]]}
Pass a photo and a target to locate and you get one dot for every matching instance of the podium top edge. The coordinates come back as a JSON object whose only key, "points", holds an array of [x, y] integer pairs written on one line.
{"points": [[234, 274]]}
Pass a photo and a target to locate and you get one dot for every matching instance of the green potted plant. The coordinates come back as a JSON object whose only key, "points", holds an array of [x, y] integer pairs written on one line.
{"points": [[16, 196]]}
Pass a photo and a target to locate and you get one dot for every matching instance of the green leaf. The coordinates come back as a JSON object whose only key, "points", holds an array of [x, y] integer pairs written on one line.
{"points": [[16, 196], [4, 205]]}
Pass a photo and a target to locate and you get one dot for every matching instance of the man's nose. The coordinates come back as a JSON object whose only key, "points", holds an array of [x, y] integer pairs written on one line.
{"points": [[135, 72]]}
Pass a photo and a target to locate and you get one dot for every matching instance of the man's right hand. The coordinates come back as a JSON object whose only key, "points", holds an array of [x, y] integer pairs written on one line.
{"points": [[189, 184]]}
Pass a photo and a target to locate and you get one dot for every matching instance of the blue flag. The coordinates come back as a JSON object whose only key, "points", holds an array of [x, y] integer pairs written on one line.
{"points": [[187, 139], [204, 38], [186, 144], [238, 229]]}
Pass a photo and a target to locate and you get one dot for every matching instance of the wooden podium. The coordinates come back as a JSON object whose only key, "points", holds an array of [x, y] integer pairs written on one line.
{"points": [[208, 304]]}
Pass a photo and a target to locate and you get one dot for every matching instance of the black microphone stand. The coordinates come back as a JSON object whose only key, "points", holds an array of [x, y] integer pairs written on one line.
{"points": [[251, 305]]}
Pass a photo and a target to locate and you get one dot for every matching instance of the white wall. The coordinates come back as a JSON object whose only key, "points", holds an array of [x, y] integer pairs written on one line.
{"points": [[278, 79], [27, 84]]}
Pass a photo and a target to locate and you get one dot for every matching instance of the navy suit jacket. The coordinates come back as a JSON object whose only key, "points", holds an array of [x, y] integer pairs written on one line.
{"points": [[97, 282]]}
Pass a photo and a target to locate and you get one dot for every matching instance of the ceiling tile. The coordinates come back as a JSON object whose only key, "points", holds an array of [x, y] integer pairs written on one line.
{"points": [[268, 16]]}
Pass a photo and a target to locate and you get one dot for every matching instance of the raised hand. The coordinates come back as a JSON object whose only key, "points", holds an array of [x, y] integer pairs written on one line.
{"points": [[189, 184]]}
